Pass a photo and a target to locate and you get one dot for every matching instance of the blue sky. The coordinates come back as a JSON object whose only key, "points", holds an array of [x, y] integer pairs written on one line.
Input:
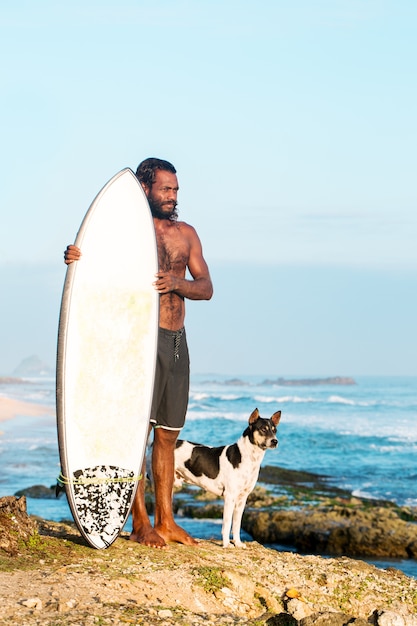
{"points": [[293, 129]]}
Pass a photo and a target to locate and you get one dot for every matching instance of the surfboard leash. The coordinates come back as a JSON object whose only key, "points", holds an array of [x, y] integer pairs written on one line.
{"points": [[64, 480]]}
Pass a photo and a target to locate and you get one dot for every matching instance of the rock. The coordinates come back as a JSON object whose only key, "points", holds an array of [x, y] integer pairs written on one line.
{"points": [[15, 524], [9, 380], [297, 608], [331, 380], [332, 619], [378, 532], [38, 492], [282, 619], [389, 618], [289, 382], [65, 581], [33, 366], [32, 603]]}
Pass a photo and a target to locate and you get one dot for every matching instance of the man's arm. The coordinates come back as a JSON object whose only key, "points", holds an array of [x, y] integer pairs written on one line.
{"points": [[200, 288]]}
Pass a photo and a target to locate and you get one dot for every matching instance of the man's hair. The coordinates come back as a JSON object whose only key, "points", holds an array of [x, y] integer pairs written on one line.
{"points": [[146, 170]]}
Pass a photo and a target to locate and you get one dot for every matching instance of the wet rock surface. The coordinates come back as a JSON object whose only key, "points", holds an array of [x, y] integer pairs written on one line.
{"points": [[305, 512], [341, 530]]}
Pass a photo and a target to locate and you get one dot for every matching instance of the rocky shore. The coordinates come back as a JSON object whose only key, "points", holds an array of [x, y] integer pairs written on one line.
{"points": [[305, 512], [49, 577]]}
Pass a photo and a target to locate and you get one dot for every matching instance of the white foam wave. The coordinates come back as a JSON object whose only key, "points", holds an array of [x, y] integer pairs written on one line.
{"points": [[361, 403], [314, 398], [227, 415], [399, 446], [198, 396], [229, 396], [411, 502], [363, 493], [284, 399], [340, 400], [201, 396]]}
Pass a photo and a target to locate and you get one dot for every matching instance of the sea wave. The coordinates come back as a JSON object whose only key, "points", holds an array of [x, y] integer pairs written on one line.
{"points": [[362, 403], [372, 425], [285, 400], [399, 445], [364, 493], [216, 397], [213, 397], [370, 495], [216, 414], [341, 400]]}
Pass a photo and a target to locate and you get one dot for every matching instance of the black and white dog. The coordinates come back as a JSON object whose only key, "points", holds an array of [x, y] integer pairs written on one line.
{"points": [[228, 471]]}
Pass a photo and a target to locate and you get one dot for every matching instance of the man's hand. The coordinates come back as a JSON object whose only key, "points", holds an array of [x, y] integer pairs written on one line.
{"points": [[166, 282], [72, 253], [199, 288]]}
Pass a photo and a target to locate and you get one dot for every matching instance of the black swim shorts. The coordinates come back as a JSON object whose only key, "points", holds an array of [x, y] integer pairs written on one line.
{"points": [[172, 380]]}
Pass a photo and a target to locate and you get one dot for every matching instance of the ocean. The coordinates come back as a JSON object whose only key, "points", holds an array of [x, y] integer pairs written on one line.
{"points": [[362, 436]]}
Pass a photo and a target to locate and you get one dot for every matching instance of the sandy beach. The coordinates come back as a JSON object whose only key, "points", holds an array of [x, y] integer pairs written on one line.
{"points": [[10, 408]]}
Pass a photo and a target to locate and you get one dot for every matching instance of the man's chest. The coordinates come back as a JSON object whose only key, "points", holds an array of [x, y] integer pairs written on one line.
{"points": [[173, 249]]}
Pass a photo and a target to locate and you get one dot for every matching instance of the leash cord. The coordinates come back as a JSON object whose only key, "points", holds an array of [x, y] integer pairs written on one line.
{"points": [[64, 480]]}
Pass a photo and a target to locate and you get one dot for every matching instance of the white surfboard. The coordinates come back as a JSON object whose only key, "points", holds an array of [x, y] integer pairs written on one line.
{"points": [[106, 358]]}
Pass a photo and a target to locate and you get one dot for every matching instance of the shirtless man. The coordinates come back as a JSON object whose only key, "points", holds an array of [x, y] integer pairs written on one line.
{"points": [[179, 249]]}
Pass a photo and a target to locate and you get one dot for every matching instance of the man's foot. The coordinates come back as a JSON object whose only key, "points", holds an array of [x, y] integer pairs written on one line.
{"points": [[175, 533], [148, 537]]}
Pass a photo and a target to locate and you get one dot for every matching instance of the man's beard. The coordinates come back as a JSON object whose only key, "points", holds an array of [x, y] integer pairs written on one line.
{"points": [[161, 214]]}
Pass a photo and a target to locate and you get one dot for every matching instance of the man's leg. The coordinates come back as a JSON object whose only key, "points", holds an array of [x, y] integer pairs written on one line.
{"points": [[142, 530], [163, 477]]}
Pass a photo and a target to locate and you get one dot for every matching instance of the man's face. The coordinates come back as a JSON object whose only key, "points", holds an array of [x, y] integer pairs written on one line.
{"points": [[162, 196]]}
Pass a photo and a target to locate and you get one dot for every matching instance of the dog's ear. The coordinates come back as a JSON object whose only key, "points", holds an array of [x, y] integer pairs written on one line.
{"points": [[276, 417], [253, 416]]}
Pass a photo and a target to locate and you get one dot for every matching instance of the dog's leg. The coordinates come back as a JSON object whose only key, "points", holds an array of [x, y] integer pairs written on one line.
{"points": [[178, 481], [229, 504], [237, 519]]}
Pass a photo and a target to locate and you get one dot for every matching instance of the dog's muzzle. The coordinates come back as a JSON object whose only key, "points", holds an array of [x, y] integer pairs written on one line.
{"points": [[272, 443]]}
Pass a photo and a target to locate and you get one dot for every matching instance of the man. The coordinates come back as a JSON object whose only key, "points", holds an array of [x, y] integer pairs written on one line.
{"points": [[179, 249]]}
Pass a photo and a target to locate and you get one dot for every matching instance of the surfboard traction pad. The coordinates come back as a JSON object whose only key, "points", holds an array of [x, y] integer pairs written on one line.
{"points": [[102, 497]]}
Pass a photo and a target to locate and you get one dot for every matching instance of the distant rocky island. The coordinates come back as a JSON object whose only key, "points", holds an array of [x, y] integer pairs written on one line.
{"points": [[33, 366], [10, 380], [332, 380], [290, 382]]}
